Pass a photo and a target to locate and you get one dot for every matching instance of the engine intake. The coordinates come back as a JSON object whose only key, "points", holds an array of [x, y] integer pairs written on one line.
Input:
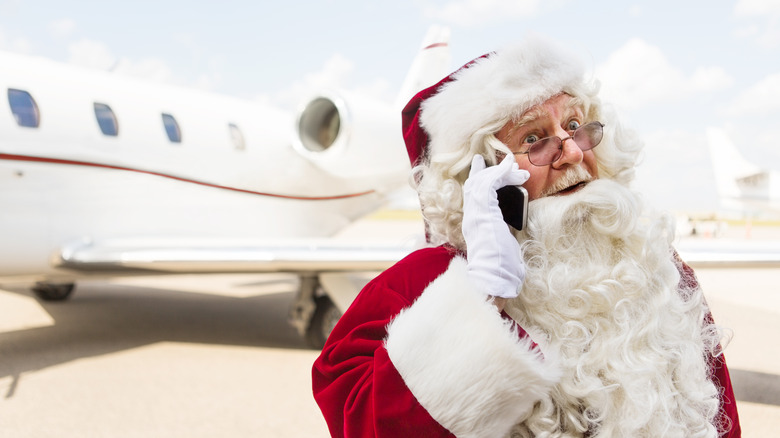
{"points": [[349, 135], [319, 124]]}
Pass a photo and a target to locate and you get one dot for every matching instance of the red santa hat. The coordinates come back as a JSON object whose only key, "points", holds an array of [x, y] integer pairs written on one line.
{"points": [[505, 83]]}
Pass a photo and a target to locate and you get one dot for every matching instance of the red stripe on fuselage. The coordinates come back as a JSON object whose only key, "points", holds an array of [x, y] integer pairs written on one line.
{"points": [[33, 159], [434, 45]]}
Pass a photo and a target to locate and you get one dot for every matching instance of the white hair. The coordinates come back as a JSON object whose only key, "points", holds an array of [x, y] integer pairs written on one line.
{"points": [[439, 179], [603, 293], [463, 116]]}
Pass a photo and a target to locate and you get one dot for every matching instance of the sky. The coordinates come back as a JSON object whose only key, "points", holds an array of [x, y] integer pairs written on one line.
{"points": [[672, 68]]}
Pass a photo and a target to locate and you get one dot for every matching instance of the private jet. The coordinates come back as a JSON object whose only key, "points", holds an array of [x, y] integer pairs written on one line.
{"points": [[102, 176]]}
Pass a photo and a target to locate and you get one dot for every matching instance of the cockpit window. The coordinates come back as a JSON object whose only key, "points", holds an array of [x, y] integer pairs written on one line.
{"points": [[24, 108], [106, 120], [237, 137], [171, 128]]}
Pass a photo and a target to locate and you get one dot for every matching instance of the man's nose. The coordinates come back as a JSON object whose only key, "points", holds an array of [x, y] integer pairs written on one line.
{"points": [[571, 154]]}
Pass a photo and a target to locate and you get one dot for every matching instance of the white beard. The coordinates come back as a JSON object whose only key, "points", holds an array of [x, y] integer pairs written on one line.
{"points": [[602, 298]]}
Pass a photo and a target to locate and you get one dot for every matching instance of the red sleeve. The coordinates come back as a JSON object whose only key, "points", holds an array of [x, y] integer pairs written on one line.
{"points": [[728, 419], [355, 384]]}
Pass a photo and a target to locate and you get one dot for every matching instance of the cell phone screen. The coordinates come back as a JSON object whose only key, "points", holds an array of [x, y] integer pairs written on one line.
{"points": [[513, 202]]}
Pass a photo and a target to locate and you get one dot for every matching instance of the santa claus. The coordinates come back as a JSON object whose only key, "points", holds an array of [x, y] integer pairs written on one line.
{"points": [[584, 323]]}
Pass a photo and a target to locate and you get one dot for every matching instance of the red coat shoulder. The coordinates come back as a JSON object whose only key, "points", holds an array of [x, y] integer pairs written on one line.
{"points": [[354, 382], [412, 274]]}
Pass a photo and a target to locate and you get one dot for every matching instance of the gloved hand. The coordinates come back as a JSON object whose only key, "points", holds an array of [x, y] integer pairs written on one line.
{"points": [[495, 263]]}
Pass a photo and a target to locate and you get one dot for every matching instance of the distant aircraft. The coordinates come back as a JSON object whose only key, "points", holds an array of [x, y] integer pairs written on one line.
{"points": [[102, 175], [743, 187], [745, 190]]}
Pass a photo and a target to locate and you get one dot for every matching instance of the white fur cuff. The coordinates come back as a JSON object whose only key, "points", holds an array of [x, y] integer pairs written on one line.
{"points": [[463, 362]]}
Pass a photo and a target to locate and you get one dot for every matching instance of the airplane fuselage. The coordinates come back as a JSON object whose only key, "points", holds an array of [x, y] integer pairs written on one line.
{"points": [[105, 162]]}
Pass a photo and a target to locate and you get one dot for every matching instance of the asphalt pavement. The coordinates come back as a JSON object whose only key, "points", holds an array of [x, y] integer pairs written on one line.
{"points": [[191, 356]]}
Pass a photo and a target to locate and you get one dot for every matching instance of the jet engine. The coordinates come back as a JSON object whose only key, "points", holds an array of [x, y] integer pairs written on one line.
{"points": [[351, 136]]}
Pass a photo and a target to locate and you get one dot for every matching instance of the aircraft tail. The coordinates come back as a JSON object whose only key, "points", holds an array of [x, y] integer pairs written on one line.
{"points": [[728, 164], [430, 65], [742, 185]]}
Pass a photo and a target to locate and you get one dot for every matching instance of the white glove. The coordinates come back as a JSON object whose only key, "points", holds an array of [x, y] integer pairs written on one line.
{"points": [[495, 263]]}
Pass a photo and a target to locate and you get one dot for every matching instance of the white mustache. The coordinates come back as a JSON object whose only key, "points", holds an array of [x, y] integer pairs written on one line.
{"points": [[574, 175]]}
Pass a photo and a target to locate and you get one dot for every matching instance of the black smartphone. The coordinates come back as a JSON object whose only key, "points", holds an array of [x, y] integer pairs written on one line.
{"points": [[513, 202]]}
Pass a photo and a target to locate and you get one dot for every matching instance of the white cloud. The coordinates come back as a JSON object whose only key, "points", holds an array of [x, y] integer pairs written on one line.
{"points": [[91, 54], [748, 31], [207, 81], [766, 145], [96, 55], [761, 98], [18, 45], [770, 38], [62, 28], [766, 33], [706, 79], [684, 155], [333, 75], [638, 74], [757, 7], [477, 12], [151, 69], [379, 88], [767, 37]]}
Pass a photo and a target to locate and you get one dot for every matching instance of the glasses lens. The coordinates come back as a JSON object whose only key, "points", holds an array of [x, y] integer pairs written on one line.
{"points": [[589, 136], [545, 151], [548, 150]]}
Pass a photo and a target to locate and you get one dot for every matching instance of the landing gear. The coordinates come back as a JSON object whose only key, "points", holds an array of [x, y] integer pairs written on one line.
{"points": [[326, 315], [52, 291], [312, 313]]}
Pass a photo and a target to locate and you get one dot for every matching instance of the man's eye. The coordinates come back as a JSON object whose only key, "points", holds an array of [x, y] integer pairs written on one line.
{"points": [[572, 125], [530, 139]]}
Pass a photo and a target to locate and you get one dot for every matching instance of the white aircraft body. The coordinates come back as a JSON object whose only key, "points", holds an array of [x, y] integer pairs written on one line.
{"points": [[745, 190], [102, 175], [743, 187]]}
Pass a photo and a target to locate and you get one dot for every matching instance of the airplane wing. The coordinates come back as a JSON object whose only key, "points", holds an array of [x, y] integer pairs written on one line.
{"points": [[210, 256], [337, 265], [730, 253]]}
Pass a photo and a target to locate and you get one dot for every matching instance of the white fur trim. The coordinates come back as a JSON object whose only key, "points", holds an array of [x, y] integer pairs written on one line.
{"points": [[463, 362], [504, 84]]}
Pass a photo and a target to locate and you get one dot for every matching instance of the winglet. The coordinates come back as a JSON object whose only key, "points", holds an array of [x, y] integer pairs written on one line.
{"points": [[430, 65], [728, 164]]}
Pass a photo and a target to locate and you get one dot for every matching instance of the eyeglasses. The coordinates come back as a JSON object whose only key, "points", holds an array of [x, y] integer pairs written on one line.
{"points": [[549, 149]]}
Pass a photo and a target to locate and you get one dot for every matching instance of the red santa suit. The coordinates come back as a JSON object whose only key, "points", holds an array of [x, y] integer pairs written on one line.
{"points": [[420, 353], [362, 393]]}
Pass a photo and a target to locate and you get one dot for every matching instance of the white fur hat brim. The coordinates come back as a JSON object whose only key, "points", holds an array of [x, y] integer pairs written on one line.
{"points": [[499, 86]]}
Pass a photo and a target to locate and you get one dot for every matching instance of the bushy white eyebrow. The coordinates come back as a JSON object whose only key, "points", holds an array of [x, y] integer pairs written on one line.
{"points": [[537, 112]]}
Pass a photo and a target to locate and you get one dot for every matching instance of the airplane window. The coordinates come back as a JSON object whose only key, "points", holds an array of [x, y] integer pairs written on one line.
{"points": [[24, 108], [237, 137], [171, 128], [106, 119]]}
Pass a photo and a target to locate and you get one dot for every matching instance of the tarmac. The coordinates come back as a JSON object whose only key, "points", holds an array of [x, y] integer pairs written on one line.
{"points": [[194, 356]]}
